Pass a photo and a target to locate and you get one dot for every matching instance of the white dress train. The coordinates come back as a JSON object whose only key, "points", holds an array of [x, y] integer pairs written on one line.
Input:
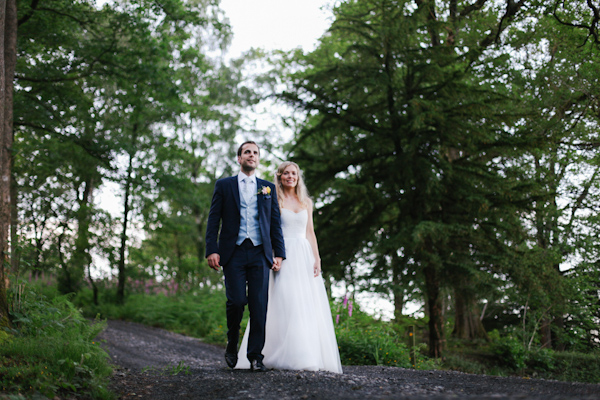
{"points": [[299, 330]]}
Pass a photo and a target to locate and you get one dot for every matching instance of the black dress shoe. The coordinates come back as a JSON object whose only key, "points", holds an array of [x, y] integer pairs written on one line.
{"points": [[231, 359], [258, 366]]}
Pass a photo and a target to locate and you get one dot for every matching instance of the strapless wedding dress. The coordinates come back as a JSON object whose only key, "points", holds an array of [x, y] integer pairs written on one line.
{"points": [[299, 330]]}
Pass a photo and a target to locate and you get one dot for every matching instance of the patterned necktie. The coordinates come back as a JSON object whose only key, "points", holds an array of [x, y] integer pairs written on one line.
{"points": [[246, 188]]}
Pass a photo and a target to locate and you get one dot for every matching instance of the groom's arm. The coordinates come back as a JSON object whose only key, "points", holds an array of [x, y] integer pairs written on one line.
{"points": [[276, 232]]}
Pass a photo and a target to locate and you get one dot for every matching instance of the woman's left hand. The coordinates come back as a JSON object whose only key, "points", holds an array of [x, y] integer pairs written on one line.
{"points": [[317, 267]]}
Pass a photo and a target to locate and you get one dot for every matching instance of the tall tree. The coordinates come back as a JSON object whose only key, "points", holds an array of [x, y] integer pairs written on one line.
{"points": [[563, 95], [168, 81], [62, 45], [96, 87], [8, 55], [401, 135]]}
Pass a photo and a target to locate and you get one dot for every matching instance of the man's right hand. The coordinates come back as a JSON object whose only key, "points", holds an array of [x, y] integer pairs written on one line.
{"points": [[213, 261]]}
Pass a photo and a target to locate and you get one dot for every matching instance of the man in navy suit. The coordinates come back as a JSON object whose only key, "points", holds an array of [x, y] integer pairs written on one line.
{"points": [[249, 243]]}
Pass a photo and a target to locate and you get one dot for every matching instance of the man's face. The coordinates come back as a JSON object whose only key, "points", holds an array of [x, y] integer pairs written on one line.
{"points": [[249, 158]]}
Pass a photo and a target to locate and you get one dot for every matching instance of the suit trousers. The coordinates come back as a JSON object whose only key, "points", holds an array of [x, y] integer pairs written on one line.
{"points": [[248, 267]]}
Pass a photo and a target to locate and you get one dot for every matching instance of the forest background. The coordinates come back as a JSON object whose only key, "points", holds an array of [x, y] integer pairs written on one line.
{"points": [[450, 147]]}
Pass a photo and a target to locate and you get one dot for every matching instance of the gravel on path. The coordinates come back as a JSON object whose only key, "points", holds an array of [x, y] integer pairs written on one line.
{"points": [[153, 363]]}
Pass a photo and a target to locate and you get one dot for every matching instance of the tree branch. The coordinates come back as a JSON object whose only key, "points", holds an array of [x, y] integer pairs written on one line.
{"points": [[472, 7], [26, 17], [592, 28]]}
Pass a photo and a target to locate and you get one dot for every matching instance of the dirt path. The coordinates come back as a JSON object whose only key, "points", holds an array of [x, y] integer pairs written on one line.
{"points": [[148, 357]]}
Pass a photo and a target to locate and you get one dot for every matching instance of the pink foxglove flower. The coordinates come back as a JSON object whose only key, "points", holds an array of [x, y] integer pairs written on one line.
{"points": [[350, 308], [345, 301], [337, 319]]}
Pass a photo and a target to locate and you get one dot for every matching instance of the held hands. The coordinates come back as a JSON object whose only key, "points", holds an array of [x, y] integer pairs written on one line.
{"points": [[277, 263], [213, 261]]}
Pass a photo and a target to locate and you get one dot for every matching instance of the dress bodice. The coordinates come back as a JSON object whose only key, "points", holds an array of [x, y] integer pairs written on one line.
{"points": [[293, 224]]}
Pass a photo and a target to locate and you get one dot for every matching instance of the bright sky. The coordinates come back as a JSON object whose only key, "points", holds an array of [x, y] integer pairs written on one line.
{"points": [[276, 24]]}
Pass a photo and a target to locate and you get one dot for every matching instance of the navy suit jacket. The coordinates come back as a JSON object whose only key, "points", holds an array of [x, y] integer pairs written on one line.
{"points": [[225, 211]]}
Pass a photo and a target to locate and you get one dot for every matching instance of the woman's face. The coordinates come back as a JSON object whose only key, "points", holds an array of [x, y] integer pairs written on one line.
{"points": [[289, 177]]}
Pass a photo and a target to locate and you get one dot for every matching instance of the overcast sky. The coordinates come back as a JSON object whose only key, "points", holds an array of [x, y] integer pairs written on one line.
{"points": [[276, 24]]}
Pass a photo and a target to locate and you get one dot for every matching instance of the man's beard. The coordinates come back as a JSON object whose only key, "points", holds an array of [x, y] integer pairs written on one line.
{"points": [[248, 168]]}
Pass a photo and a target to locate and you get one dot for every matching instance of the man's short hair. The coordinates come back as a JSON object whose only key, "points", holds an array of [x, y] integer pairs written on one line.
{"points": [[239, 152]]}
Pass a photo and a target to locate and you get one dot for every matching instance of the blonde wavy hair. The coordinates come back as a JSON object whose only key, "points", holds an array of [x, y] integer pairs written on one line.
{"points": [[301, 190]]}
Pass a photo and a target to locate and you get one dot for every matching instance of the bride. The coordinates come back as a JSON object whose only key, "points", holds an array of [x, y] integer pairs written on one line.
{"points": [[299, 329]]}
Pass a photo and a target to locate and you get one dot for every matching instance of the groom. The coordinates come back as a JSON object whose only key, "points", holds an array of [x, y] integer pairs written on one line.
{"points": [[250, 242]]}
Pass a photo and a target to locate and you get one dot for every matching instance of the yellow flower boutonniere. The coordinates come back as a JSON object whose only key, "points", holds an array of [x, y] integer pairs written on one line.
{"points": [[265, 191]]}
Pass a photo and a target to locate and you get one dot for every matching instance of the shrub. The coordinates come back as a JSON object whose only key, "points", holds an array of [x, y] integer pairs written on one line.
{"points": [[509, 351], [541, 360], [363, 340]]}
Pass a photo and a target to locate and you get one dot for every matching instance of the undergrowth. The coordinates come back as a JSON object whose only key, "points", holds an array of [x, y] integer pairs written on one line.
{"points": [[504, 355], [50, 350]]}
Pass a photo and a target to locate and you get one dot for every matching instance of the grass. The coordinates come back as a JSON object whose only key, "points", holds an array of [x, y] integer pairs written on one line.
{"points": [[50, 351], [199, 314]]}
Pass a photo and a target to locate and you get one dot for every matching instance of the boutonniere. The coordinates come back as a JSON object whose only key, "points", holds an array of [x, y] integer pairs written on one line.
{"points": [[265, 191]]}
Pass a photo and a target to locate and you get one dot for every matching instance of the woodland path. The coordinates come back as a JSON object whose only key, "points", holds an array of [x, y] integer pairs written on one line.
{"points": [[146, 358]]}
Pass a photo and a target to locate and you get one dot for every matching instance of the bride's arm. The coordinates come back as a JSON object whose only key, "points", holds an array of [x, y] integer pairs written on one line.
{"points": [[312, 239]]}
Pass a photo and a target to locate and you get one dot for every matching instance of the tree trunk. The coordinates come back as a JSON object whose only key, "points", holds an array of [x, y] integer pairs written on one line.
{"points": [[93, 284], [5, 174], [559, 343], [66, 277], [397, 288], [128, 184], [8, 59], [546, 333], [81, 259], [123, 248], [15, 247], [180, 274], [436, 317], [467, 323]]}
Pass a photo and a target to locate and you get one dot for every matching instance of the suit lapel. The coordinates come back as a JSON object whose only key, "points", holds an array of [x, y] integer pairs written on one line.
{"points": [[236, 191], [259, 199]]}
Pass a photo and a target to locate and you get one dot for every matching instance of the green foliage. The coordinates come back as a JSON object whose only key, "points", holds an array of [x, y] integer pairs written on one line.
{"points": [[541, 360], [100, 86], [509, 350], [577, 367], [51, 351], [198, 313], [506, 355], [404, 119], [460, 362], [363, 340]]}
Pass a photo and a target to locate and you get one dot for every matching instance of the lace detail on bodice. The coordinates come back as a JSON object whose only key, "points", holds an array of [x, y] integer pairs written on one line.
{"points": [[293, 224]]}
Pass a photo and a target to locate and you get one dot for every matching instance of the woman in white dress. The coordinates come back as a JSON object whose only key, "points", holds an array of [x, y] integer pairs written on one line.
{"points": [[299, 330]]}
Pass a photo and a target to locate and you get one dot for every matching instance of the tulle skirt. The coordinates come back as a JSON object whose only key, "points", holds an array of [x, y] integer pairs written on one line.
{"points": [[299, 329]]}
